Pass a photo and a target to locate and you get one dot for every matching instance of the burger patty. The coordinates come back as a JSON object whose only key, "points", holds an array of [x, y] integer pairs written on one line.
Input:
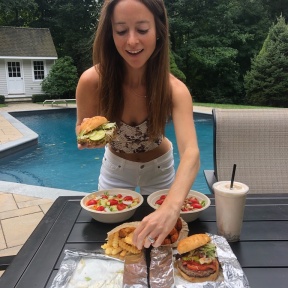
{"points": [[192, 273]]}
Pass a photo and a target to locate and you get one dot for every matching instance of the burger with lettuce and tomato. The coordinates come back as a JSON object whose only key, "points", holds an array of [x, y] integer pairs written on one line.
{"points": [[96, 131], [197, 261]]}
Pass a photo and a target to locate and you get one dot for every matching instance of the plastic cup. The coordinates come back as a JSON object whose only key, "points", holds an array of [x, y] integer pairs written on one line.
{"points": [[230, 205]]}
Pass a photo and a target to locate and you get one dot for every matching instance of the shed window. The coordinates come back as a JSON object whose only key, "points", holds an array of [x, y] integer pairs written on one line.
{"points": [[38, 70]]}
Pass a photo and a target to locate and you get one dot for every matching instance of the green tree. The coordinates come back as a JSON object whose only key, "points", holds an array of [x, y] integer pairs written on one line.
{"points": [[62, 79], [267, 81], [174, 68], [17, 12], [214, 41]]}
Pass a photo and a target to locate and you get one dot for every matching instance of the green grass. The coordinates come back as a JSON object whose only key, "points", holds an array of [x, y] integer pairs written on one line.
{"points": [[229, 106]]}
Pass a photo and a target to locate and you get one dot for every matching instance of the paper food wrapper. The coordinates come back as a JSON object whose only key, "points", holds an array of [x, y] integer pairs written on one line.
{"points": [[124, 225], [183, 233]]}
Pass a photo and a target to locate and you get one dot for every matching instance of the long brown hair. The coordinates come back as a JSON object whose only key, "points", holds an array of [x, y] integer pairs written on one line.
{"points": [[111, 69]]}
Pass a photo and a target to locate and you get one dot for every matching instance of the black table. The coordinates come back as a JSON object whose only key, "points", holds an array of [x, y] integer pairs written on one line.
{"points": [[262, 251]]}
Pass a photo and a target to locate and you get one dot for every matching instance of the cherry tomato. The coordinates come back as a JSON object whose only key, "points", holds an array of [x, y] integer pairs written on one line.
{"points": [[159, 201], [100, 208], [194, 200], [119, 196], [104, 196], [197, 206], [128, 198], [121, 206], [91, 202], [113, 202], [162, 196]]}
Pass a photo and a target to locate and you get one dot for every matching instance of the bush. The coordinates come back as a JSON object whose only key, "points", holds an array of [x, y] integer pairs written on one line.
{"points": [[2, 99], [39, 97], [62, 79]]}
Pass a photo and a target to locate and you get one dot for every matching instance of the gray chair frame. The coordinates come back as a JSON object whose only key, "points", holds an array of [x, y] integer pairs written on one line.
{"points": [[257, 141]]}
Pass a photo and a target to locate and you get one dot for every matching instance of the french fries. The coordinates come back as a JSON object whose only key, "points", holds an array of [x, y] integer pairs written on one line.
{"points": [[119, 242]]}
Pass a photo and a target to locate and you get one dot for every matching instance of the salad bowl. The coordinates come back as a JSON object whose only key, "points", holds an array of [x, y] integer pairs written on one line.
{"points": [[112, 205], [194, 204]]}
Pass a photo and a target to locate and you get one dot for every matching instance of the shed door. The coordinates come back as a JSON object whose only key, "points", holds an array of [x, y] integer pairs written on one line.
{"points": [[15, 77]]}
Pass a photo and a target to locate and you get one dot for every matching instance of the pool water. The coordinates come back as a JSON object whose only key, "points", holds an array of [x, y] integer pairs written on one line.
{"points": [[56, 162]]}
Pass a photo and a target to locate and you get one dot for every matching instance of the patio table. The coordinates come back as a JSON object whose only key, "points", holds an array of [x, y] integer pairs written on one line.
{"points": [[262, 250]]}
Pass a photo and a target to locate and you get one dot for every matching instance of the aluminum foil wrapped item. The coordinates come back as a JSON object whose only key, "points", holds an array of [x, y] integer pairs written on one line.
{"points": [[89, 270], [135, 271], [161, 267], [231, 276]]}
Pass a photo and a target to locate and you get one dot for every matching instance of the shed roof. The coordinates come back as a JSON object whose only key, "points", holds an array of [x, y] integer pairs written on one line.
{"points": [[26, 43]]}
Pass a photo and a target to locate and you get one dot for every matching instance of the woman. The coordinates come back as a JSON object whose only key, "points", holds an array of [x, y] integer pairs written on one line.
{"points": [[130, 83]]}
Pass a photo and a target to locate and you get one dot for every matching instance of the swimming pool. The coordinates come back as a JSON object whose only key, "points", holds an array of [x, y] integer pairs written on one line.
{"points": [[56, 162]]}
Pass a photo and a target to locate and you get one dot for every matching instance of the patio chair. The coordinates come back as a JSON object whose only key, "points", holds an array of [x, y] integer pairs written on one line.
{"points": [[256, 140]]}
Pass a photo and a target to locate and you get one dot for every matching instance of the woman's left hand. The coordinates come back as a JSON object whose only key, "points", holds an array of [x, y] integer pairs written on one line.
{"points": [[154, 228]]}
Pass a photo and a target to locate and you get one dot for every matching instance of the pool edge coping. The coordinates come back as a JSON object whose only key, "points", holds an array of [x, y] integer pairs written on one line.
{"points": [[28, 139]]}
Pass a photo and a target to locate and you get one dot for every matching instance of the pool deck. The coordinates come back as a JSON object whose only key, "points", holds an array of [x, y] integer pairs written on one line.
{"points": [[23, 206]]}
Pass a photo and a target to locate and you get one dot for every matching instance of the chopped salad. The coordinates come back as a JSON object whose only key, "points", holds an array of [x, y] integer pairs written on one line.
{"points": [[190, 203], [112, 203]]}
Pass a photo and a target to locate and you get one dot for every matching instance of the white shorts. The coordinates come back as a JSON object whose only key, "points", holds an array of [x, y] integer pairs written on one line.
{"points": [[151, 176]]}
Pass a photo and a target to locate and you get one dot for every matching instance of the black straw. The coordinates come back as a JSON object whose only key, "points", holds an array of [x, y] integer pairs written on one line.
{"points": [[233, 176]]}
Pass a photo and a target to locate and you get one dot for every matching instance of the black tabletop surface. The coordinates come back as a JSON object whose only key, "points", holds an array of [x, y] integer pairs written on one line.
{"points": [[262, 250]]}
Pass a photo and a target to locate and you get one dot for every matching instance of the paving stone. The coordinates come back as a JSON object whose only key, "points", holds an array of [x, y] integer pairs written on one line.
{"points": [[45, 207], [23, 198], [10, 251], [2, 240], [38, 201], [19, 212], [7, 202], [23, 226]]}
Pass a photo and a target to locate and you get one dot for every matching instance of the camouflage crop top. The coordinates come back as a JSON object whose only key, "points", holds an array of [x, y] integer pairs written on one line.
{"points": [[133, 139]]}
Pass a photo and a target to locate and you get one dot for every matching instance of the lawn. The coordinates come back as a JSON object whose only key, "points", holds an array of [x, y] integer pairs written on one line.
{"points": [[228, 106]]}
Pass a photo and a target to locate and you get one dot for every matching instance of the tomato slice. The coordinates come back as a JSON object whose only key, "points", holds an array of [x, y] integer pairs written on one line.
{"points": [[197, 206], [162, 196], [121, 206], [193, 200], [119, 196], [113, 202], [91, 202], [193, 265], [100, 208], [128, 198], [159, 201]]}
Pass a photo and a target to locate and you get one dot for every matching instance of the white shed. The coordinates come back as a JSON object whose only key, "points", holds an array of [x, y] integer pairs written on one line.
{"points": [[26, 57]]}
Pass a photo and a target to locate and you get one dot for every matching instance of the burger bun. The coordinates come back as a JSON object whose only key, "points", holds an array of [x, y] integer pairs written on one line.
{"points": [[92, 123], [192, 242]]}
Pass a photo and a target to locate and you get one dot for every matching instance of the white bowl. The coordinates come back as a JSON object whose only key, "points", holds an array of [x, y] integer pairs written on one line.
{"points": [[187, 216], [112, 217]]}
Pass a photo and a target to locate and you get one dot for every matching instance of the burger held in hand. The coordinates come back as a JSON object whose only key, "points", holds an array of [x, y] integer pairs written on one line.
{"points": [[197, 260], [96, 131]]}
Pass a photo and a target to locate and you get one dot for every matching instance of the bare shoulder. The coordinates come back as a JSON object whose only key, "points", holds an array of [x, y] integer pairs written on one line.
{"points": [[90, 76], [88, 84], [179, 89]]}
